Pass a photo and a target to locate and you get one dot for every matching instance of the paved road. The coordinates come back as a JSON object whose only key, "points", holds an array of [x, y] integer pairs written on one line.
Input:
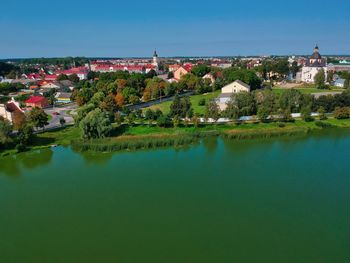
{"points": [[63, 113], [155, 102]]}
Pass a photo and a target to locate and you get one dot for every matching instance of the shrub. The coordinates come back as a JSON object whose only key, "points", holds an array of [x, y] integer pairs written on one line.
{"points": [[342, 113], [322, 124], [202, 102]]}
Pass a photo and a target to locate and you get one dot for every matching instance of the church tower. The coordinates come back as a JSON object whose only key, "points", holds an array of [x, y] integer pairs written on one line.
{"points": [[155, 59]]}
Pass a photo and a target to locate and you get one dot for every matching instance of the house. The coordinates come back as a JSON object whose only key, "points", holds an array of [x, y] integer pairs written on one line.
{"points": [[312, 66], [340, 83], [52, 85], [229, 90], [173, 68], [12, 112], [181, 71], [37, 101], [63, 97], [210, 77]]}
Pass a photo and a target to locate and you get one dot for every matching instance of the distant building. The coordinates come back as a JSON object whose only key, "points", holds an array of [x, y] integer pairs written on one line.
{"points": [[210, 77], [312, 66], [63, 97], [37, 101], [340, 83], [181, 71], [229, 90]]}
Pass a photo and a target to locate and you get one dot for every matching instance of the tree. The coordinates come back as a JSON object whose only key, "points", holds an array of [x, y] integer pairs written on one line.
{"points": [[96, 124], [5, 131], [25, 135], [320, 79], [263, 113], [195, 120], [74, 78], [200, 70], [342, 113], [291, 99], [182, 107], [62, 121], [306, 114], [108, 104], [38, 118], [212, 111], [163, 121], [322, 113], [119, 99], [176, 121], [62, 77]]}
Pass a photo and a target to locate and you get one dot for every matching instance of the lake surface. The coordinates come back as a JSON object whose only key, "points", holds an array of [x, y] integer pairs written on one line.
{"points": [[218, 201]]}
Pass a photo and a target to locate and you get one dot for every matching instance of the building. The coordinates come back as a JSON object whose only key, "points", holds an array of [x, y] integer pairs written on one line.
{"points": [[155, 61], [12, 112], [63, 97], [210, 77], [340, 83], [181, 71], [229, 90], [312, 66], [37, 101]]}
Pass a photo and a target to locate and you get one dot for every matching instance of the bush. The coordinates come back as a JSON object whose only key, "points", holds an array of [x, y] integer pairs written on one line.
{"points": [[281, 124], [322, 124], [202, 102], [342, 113]]}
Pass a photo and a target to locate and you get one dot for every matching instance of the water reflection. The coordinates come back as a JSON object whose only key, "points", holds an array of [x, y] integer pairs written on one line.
{"points": [[14, 164]]}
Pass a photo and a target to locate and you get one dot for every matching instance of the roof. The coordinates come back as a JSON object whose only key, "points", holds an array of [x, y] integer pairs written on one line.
{"points": [[12, 107], [36, 99], [242, 83], [64, 95]]}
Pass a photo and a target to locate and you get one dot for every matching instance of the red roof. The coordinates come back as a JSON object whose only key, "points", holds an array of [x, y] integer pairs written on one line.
{"points": [[188, 67], [35, 99], [51, 77]]}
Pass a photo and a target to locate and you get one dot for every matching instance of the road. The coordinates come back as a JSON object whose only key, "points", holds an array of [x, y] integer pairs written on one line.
{"points": [[63, 113], [155, 102]]}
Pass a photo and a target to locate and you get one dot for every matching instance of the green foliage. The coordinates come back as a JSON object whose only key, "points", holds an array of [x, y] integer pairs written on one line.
{"points": [[306, 114], [200, 70], [5, 131], [96, 124], [245, 75], [181, 107], [38, 118], [202, 102], [342, 113], [320, 79], [212, 111], [322, 113]]}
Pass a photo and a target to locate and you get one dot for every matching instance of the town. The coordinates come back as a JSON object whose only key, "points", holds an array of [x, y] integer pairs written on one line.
{"points": [[98, 95]]}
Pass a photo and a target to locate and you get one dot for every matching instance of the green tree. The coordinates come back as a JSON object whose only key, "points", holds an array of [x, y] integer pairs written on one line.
{"points": [[212, 111], [263, 113], [322, 113], [38, 118], [96, 124], [5, 131], [306, 114], [74, 78], [320, 79]]}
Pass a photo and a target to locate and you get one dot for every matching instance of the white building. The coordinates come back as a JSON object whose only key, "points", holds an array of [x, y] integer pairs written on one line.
{"points": [[229, 90], [312, 66]]}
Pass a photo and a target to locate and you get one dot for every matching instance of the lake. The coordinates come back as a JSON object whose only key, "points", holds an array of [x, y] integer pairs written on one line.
{"points": [[219, 201]]}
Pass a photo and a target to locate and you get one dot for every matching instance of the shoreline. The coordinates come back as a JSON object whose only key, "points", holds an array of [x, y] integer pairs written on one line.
{"points": [[153, 137]]}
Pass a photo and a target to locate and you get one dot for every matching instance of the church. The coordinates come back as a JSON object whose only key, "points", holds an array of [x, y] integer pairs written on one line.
{"points": [[312, 66]]}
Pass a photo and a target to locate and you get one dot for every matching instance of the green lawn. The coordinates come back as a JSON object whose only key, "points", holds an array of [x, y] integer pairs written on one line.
{"points": [[165, 106], [307, 90]]}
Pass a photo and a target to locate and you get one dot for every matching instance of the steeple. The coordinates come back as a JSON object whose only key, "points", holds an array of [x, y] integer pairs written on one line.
{"points": [[155, 54], [316, 49]]}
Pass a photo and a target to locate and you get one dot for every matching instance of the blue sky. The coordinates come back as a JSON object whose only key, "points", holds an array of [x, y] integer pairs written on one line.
{"points": [[185, 28]]}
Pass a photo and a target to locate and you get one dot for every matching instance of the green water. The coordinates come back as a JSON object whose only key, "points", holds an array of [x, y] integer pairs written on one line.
{"points": [[219, 201]]}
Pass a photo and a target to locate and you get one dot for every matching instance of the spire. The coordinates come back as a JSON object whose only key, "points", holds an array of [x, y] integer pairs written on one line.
{"points": [[155, 53], [316, 49]]}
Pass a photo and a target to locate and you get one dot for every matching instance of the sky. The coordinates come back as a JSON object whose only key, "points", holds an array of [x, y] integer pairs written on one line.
{"points": [[114, 28]]}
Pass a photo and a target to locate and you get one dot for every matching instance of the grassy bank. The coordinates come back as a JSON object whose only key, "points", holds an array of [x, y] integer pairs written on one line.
{"points": [[145, 137], [165, 106]]}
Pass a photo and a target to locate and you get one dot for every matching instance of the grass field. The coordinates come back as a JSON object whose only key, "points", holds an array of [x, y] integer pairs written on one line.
{"points": [[165, 106], [308, 89]]}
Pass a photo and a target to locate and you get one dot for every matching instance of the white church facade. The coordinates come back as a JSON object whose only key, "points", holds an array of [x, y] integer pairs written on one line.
{"points": [[312, 66]]}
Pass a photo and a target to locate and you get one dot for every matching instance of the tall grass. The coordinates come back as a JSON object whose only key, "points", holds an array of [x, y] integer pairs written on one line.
{"points": [[134, 143], [265, 133]]}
